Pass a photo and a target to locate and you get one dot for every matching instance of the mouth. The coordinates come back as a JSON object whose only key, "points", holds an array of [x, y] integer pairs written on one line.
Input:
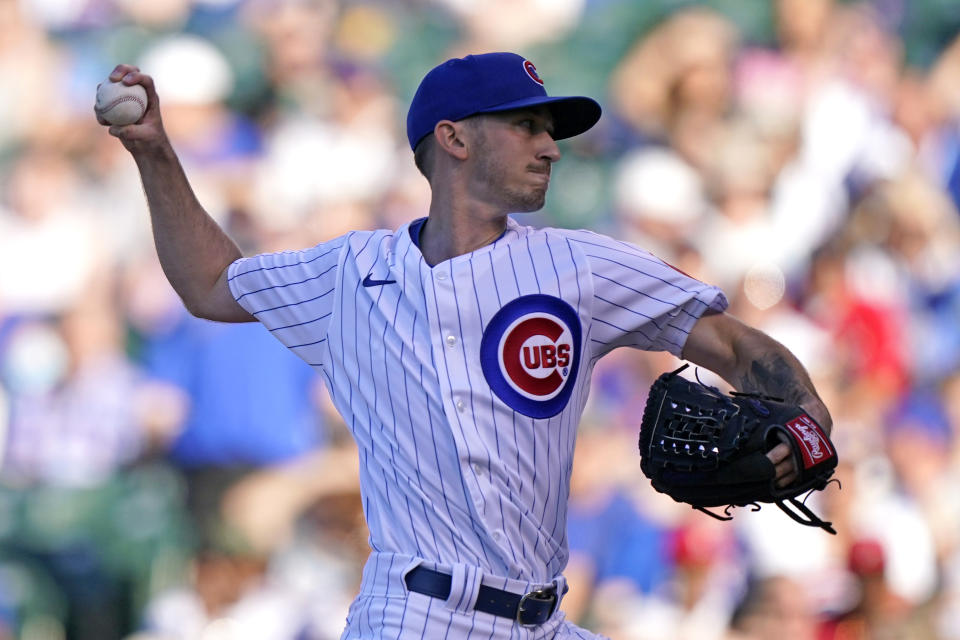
{"points": [[540, 173]]}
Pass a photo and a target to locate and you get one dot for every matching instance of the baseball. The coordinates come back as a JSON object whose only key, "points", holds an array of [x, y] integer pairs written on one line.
{"points": [[120, 104]]}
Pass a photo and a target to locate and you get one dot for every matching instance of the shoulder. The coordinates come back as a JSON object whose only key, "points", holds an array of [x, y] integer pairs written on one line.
{"points": [[270, 269], [359, 241], [377, 240], [593, 244]]}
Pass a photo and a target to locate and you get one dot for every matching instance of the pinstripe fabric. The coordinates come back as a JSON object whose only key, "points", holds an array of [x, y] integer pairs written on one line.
{"points": [[454, 467]]}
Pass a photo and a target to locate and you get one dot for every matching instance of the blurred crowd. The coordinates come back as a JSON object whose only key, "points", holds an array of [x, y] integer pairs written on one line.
{"points": [[167, 478]]}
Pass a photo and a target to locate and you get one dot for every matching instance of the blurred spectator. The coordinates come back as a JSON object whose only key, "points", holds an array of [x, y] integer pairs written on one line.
{"points": [[878, 613], [919, 443], [675, 84], [618, 551], [801, 27], [244, 408], [297, 36], [247, 408], [42, 229], [162, 15], [28, 104], [741, 235], [773, 608], [884, 487], [855, 299], [832, 82], [81, 419], [196, 81], [659, 201], [940, 147], [80, 409], [513, 25]]}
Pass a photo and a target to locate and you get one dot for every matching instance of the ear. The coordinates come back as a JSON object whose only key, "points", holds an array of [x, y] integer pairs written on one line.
{"points": [[449, 137]]}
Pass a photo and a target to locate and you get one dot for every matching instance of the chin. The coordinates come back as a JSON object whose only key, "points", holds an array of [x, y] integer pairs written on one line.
{"points": [[528, 207], [529, 202]]}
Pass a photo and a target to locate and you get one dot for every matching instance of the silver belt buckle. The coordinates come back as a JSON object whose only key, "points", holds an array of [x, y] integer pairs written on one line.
{"points": [[548, 594]]}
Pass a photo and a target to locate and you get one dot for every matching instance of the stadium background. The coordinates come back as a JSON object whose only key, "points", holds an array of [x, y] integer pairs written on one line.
{"points": [[168, 478]]}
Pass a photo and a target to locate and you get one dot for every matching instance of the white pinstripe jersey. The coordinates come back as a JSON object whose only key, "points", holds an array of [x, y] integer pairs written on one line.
{"points": [[463, 382]]}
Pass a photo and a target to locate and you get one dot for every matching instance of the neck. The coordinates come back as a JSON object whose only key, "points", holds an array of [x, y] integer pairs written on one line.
{"points": [[453, 230]]}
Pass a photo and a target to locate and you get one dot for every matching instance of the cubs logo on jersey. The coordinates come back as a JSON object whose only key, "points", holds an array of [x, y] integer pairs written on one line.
{"points": [[530, 353]]}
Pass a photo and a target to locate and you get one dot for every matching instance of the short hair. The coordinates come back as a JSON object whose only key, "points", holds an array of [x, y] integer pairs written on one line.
{"points": [[423, 156]]}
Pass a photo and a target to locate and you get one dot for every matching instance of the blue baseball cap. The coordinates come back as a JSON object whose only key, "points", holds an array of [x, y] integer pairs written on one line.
{"points": [[490, 83]]}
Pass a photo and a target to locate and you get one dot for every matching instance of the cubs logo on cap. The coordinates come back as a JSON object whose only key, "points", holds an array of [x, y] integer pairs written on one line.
{"points": [[530, 353], [532, 72]]}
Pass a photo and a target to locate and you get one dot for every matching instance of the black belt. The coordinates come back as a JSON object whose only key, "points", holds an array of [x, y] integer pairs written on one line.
{"points": [[528, 609]]}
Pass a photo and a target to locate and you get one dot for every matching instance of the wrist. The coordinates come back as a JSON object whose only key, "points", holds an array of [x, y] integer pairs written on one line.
{"points": [[818, 411], [159, 151]]}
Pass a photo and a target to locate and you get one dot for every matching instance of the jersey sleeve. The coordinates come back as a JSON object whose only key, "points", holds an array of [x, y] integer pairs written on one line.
{"points": [[291, 293], [641, 301]]}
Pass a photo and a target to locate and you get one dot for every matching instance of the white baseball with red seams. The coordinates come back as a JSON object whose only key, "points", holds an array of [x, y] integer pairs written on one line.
{"points": [[120, 104]]}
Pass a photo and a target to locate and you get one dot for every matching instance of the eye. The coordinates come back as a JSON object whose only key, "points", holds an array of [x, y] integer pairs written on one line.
{"points": [[526, 123]]}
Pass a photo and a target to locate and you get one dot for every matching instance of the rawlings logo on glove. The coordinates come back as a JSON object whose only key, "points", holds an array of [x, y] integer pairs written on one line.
{"points": [[708, 449], [814, 443]]}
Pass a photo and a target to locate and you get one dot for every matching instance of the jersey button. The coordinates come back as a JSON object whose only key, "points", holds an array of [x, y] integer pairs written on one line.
{"points": [[498, 535], [441, 275], [461, 406], [451, 340]]}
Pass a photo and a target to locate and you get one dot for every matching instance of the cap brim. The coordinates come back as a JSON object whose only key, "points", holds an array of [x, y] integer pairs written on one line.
{"points": [[572, 115]]}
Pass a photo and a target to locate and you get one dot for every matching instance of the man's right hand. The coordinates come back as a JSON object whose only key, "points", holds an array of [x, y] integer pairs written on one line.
{"points": [[193, 250], [148, 134]]}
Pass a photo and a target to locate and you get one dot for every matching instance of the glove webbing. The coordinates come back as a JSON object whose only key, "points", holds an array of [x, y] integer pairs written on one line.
{"points": [[811, 520]]}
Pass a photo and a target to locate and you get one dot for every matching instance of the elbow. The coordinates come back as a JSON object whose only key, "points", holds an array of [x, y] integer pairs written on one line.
{"points": [[199, 306], [195, 308], [216, 306], [717, 343]]}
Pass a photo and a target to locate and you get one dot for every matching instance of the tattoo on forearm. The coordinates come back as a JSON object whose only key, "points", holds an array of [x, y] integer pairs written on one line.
{"points": [[772, 375]]}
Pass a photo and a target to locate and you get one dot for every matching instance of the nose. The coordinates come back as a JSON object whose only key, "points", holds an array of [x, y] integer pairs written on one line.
{"points": [[549, 149]]}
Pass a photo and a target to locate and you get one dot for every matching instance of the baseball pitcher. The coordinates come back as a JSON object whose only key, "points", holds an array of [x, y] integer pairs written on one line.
{"points": [[459, 347]]}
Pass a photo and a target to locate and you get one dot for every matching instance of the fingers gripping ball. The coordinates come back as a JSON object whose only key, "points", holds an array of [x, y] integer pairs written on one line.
{"points": [[120, 104]]}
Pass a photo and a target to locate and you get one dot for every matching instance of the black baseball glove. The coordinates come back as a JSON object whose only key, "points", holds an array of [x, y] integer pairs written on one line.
{"points": [[708, 449]]}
